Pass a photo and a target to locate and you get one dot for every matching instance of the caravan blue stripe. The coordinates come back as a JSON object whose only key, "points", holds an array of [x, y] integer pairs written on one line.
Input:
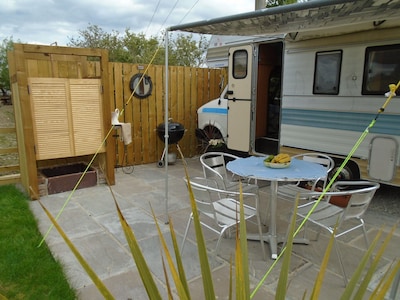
{"points": [[386, 124], [215, 110]]}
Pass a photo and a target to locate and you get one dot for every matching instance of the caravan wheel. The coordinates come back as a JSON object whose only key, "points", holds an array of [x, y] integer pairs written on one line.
{"points": [[205, 135], [351, 171]]}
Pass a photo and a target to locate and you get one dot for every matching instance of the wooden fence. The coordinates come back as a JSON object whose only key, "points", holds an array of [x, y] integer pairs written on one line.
{"points": [[189, 89], [9, 168]]}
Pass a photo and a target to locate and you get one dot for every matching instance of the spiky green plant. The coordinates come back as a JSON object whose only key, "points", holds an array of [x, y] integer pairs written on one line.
{"points": [[242, 281]]}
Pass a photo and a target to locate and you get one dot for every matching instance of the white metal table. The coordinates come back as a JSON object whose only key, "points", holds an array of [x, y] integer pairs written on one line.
{"points": [[253, 167]]}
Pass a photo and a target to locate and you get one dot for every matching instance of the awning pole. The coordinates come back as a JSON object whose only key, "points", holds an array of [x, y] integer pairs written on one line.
{"points": [[166, 128]]}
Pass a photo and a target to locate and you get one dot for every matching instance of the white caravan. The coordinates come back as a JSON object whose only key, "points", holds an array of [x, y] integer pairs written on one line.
{"points": [[313, 90]]}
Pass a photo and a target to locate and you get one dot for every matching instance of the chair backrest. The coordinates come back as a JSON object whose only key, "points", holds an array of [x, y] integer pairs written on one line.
{"points": [[214, 166], [202, 196], [206, 193], [319, 158], [361, 194], [358, 195]]}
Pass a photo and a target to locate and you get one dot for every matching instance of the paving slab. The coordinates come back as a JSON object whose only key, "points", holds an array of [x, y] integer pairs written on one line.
{"points": [[90, 219]]}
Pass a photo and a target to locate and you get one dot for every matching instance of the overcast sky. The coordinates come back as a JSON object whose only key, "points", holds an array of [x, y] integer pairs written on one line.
{"points": [[49, 21]]}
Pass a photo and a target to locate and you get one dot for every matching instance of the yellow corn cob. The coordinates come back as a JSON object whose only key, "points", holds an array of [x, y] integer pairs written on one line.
{"points": [[284, 160], [281, 158]]}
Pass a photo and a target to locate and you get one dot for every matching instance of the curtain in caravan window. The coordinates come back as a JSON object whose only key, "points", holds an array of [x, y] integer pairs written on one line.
{"points": [[239, 70], [382, 67], [327, 72]]}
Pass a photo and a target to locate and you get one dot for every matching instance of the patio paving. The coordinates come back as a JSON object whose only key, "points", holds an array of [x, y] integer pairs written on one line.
{"points": [[90, 220]]}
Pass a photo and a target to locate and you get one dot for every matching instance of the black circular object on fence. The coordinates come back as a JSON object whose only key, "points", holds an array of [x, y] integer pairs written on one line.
{"points": [[141, 84]]}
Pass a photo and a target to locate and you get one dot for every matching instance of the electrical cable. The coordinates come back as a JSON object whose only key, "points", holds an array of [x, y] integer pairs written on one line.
{"points": [[154, 13], [165, 20], [189, 11]]}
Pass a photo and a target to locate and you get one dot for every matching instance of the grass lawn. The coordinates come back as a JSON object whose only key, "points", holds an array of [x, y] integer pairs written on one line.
{"points": [[26, 270]]}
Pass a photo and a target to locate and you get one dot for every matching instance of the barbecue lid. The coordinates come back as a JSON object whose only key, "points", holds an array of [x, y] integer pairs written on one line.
{"points": [[172, 126]]}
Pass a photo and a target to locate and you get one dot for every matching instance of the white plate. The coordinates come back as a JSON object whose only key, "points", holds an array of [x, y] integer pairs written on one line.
{"points": [[276, 165]]}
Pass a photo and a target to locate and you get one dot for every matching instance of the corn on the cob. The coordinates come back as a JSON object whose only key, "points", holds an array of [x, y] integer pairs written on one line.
{"points": [[281, 158]]}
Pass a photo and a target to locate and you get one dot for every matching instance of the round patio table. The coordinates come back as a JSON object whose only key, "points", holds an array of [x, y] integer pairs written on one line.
{"points": [[253, 167]]}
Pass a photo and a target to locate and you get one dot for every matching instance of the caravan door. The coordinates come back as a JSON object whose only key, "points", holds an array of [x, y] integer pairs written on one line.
{"points": [[239, 97]]}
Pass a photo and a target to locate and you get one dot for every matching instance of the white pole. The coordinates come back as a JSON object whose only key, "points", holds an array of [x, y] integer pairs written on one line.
{"points": [[166, 128], [259, 4]]}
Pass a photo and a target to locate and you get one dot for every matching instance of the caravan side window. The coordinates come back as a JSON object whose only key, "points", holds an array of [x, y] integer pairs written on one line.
{"points": [[240, 60], [382, 67], [327, 72]]}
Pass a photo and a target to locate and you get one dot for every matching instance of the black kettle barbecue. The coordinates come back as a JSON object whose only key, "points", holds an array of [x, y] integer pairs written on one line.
{"points": [[175, 134]]}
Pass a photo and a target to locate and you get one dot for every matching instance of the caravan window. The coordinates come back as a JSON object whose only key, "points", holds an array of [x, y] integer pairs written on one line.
{"points": [[240, 60], [327, 72], [382, 67]]}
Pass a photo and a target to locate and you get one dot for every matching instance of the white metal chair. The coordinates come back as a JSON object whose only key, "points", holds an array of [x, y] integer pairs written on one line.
{"points": [[326, 215], [289, 191], [219, 210], [214, 167]]}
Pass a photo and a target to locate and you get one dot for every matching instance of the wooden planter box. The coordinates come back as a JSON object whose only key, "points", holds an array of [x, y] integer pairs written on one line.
{"points": [[64, 178]]}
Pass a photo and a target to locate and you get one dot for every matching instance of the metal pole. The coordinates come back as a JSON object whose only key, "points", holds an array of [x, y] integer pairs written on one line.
{"points": [[166, 128], [259, 4]]}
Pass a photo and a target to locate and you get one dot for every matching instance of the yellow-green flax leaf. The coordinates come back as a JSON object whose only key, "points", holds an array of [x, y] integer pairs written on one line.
{"points": [[230, 278], [182, 292], [283, 277], [374, 265], [206, 275], [244, 276], [178, 257], [240, 289], [144, 271], [96, 280], [166, 279], [386, 282], [324, 265], [352, 285]]}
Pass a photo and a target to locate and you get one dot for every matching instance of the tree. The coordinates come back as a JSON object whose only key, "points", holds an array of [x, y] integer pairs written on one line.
{"points": [[142, 49], [188, 52], [6, 45], [130, 47], [95, 37]]}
